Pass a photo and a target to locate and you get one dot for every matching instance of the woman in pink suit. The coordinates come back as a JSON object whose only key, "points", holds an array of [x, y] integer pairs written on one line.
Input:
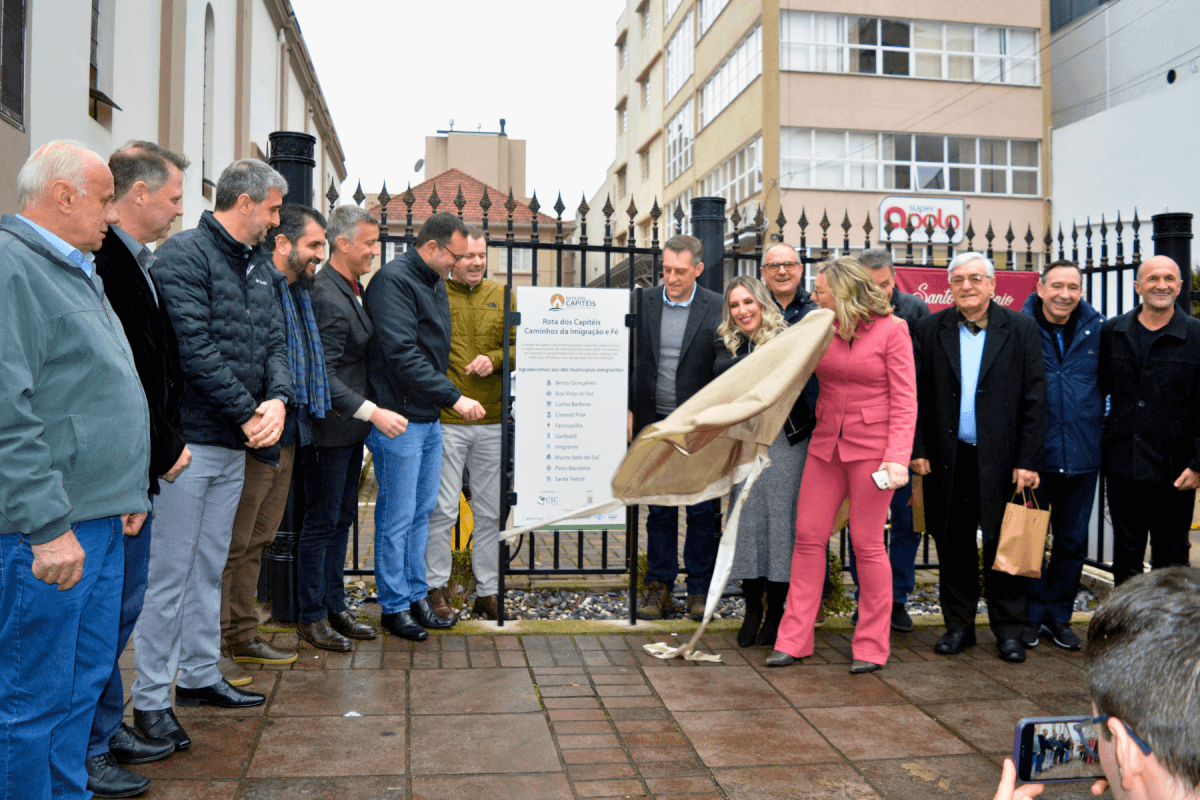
{"points": [[866, 417]]}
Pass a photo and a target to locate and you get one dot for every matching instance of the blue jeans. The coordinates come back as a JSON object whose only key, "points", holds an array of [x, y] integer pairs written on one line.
{"points": [[331, 486], [112, 699], [902, 545], [699, 545], [408, 470], [59, 649], [1051, 598]]}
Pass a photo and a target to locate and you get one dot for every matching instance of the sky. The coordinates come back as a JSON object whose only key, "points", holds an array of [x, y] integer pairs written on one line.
{"points": [[396, 71]]}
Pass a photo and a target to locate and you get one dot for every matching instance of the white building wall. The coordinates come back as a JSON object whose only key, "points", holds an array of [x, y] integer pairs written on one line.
{"points": [[138, 29], [58, 87], [297, 107], [264, 77]]}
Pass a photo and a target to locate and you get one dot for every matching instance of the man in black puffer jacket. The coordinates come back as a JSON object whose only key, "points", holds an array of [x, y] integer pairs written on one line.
{"points": [[406, 372], [216, 284]]}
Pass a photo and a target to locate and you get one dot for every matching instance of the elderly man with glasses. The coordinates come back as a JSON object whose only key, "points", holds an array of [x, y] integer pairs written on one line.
{"points": [[981, 420], [782, 271], [406, 368]]}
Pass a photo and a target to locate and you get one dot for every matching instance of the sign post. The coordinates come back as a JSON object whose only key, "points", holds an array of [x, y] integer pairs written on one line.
{"points": [[570, 403]]}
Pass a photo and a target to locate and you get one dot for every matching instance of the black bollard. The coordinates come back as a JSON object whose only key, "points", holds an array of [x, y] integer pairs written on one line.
{"points": [[292, 157], [708, 225], [281, 577], [1173, 238]]}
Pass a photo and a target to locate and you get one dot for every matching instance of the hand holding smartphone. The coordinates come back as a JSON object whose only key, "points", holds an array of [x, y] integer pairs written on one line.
{"points": [[1055, 749], [881, 480]]}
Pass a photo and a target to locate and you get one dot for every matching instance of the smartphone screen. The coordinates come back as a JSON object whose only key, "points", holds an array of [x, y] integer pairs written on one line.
{"points": [[1049, 749]]}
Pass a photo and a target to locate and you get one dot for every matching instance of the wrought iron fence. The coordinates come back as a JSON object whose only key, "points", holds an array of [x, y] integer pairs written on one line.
{"points": [[628, 265]]}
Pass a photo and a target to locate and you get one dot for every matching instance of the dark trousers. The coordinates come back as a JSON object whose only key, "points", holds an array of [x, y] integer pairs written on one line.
{"points": [[699, 545], [958, 557], [903, 543], [1153, 507], [133, 592], [1070, 499], [331, 485]]}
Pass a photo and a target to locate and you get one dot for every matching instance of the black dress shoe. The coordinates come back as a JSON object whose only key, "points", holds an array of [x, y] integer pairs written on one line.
{"points": [[422, 612], [130, 747], [954, 642], [347, 624], [778, 658], [107, 778], [1011, 650], [161, 725], [403, 625], [219, 694], [863, 667], [323, 637]]}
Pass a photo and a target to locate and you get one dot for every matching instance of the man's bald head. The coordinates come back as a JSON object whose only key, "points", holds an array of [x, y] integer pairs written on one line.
{"points": [[1158, 262], [781, 271]]}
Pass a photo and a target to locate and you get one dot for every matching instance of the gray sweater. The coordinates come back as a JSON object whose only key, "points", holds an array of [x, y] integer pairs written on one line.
{"points": [[74, 424]]}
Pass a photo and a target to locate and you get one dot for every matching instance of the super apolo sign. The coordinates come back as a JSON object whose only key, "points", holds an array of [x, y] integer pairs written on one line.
{"points": [[941, 212]]}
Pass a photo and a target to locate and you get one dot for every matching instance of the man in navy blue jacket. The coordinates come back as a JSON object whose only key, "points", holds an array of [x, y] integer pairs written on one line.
{"points": [[1070, 330]]}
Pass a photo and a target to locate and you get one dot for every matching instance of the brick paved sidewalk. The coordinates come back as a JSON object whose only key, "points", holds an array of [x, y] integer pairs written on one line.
{"points": [[533, 716]]}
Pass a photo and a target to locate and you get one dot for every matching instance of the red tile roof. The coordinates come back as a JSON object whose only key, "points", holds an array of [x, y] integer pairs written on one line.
{"points": [[448, 184]]}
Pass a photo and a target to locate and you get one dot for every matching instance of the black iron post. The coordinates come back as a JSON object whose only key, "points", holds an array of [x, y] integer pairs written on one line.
{"points": [[708, 225], [1173, 238], [292, 156]]}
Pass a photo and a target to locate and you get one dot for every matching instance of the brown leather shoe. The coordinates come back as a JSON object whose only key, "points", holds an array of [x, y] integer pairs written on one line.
{"points": [[658, 604], [321, 636], [256, 651], [486, 607], [347, 624], [695, 604], [440, 605]]}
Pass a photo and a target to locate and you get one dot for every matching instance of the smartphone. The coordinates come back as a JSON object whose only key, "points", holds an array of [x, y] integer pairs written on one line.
{"points": [[881, 479], [1054, 749]]}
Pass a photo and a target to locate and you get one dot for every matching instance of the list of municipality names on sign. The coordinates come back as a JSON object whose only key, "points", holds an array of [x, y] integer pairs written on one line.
{"points": [[571, 390]]}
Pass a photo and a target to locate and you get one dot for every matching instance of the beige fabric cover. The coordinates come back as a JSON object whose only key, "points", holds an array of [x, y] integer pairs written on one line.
{"points": [[717, 438]]}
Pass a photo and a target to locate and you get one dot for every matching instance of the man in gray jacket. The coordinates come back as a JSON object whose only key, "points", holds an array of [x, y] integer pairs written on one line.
{"points": [[74, 469]]}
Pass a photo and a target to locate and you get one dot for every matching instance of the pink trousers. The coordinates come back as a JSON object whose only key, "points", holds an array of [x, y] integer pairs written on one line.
{"points": [[822, 489]]}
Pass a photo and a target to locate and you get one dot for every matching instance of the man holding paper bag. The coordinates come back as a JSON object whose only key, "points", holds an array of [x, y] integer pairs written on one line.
{"points": [[981, 418]]}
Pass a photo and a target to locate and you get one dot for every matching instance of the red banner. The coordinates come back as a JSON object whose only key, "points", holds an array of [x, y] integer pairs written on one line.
{"points": [[1013, 287]]}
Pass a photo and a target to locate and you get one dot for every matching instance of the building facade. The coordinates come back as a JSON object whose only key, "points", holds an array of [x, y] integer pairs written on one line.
{"points": [[1126, 82], [865, 109], [210, 79]]}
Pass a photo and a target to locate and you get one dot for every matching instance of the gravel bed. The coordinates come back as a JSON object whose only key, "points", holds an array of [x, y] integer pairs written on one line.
{"points": [[552, 604]]}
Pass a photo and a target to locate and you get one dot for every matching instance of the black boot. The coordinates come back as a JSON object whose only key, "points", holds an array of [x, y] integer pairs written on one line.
{"points": [[776, 594], [752, 592]]}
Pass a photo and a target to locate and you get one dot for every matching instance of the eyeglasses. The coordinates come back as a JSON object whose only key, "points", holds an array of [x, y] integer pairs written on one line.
{"points": [[959, 280], [457, 256], [780, 266], [1141, 743]]}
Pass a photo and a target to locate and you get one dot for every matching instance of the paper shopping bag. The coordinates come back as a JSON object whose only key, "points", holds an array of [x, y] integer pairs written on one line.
{"points": [[1022, 538]]}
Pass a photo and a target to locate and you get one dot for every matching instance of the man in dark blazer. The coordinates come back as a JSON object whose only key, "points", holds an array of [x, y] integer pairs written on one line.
{"points": [[981, 397], [149, 188], [675, 353], [332, 467]]}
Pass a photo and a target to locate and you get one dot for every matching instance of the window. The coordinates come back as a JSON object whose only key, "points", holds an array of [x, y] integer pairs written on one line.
{"points": [[812, 42], [669, 9], [737, 72], [206, 171], [738, 178], [644, 158], [643, 13], [679, 141], [621, 55], [681, 57], [709, 11], [622, 118], [833, 159], [622, 186], [12, 60], [522, 259], [644, 89], [1063, 12], [100, 63]]}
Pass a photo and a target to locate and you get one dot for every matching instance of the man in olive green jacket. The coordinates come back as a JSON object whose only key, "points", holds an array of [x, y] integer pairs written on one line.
{"points": [[476, 359]]}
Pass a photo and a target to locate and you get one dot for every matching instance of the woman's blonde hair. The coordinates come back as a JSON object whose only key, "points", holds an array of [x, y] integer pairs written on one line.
{"points": [[855, 296], [773, 322]]}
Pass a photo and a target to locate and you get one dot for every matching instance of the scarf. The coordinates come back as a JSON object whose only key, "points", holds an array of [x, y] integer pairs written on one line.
{"points": [[305, 355]]}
